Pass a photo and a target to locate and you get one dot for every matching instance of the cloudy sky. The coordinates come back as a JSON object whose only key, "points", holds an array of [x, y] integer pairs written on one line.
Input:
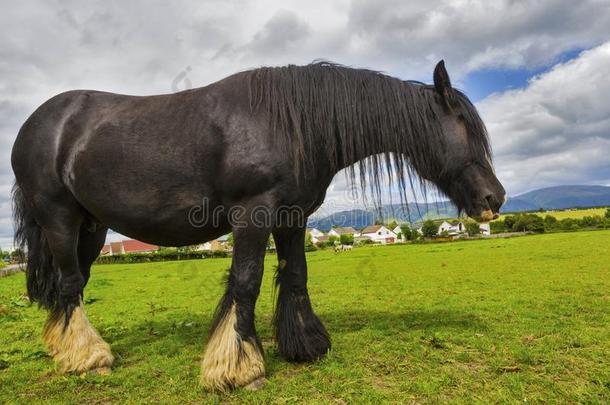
{"points": [[539, 71]]}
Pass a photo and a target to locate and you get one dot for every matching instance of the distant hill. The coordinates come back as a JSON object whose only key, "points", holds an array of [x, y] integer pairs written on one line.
{"points": [[412, 213], [551, 198], [560, 197]]}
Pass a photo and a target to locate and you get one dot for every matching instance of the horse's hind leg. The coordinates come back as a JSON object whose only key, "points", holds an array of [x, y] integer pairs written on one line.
{"points": [[298, 331], [90, 243], [234, 355], [72, 341]]}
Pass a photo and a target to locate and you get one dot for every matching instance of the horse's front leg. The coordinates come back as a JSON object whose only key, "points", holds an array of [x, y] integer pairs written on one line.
{"points": [[234, 356], [298, 331]]}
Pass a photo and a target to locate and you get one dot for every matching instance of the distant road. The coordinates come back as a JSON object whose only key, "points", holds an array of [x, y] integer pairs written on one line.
{"points": [[10, 269]]}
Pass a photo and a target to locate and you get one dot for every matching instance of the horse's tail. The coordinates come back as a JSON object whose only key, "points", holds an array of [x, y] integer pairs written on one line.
{"points": [[41, 274]]}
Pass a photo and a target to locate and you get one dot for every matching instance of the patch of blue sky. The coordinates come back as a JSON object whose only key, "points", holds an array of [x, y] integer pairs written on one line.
{"points": [[480, 83]]}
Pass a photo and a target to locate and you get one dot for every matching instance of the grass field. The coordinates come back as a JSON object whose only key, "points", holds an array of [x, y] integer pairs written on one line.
{"points": [[492, 321], [571, 213]]}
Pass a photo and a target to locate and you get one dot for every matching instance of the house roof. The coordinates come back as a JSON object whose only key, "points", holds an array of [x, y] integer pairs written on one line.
{"points": [[344, 230], [105, 249], [132, 245], [322, 238], [116, 247], [372, 228]]}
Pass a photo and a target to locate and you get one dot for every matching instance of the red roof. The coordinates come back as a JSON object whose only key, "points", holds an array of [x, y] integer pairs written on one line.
{"points": [[116, 248], [128, 246], [133, 246]]}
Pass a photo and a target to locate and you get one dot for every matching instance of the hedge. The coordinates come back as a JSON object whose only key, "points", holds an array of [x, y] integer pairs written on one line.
{"points": [[160, 256]]}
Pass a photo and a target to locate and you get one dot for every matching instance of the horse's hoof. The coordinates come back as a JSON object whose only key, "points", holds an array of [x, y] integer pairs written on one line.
{"points": [[100, 371], [256, 384], [96, 371]]}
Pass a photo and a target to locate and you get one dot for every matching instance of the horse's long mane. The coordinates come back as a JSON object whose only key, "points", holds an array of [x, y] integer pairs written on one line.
{"points": [[347, 114]]}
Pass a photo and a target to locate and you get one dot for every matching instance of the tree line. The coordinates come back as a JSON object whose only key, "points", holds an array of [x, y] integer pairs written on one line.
{"points": [[536, 223]]}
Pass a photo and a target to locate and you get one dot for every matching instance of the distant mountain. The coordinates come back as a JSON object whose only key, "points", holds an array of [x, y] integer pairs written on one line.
{"points": [[357, 219], [560, 197], [516, 204], [412, 213]]}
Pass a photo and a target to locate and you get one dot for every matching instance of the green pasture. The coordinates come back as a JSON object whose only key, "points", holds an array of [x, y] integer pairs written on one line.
{"points": [[520, 320], [575, 213]]}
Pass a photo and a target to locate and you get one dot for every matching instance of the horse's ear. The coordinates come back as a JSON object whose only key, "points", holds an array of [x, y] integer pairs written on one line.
{"points": [[442, 84]]}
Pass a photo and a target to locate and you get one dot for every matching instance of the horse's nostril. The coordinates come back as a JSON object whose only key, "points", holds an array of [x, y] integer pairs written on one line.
{"points": [[489, 199]]}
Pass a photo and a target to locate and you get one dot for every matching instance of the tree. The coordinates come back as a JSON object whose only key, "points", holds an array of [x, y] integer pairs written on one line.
{"points": [[429, 229], [607, 213], [347, 239], [18, 256], [392, 225], [230, 239], [309, 242], [332, 239], [509, 222], [569, 224], [528, 223], [497, 226], [407, 232], [550, 222], [590, 221], [473, 229]]}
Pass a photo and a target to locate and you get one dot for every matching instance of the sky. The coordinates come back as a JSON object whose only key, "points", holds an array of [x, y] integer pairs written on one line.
{"points": [[538, 71]]}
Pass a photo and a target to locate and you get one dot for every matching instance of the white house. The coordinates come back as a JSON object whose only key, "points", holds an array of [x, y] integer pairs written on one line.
{"points": [[453, 228], [456, 228], [378, 234], [216, 244], [317, 235], [398, 233], [315, 232], [338, 231]]}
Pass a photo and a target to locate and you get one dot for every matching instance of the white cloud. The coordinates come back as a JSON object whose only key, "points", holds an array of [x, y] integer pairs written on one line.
{"points": [[557, 129]]}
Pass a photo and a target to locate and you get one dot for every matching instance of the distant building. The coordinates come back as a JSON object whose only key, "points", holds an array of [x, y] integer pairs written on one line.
{"points": [[315, 232], [378, 234], [457, 229], [452, 228], [338, 231], [127, 246], [216, 244], [323, 238], [317, 235], [398, 232]]}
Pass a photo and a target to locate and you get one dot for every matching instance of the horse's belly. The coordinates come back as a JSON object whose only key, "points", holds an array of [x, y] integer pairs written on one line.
{"points": [[161, 210], [177, 226]]}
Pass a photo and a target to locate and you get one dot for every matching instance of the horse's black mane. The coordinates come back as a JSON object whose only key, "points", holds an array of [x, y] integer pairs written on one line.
{"points": [[347, 114]]}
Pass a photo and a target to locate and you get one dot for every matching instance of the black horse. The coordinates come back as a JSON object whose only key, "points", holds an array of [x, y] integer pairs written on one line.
{"points": [[253, 154]]}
